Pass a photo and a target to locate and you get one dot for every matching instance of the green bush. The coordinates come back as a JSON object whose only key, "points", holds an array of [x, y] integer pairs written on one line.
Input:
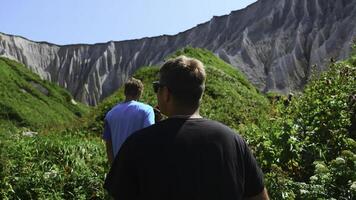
{"points": [[305, 146], [312, 137], [53, 166], [32, 102], [229, 97]]}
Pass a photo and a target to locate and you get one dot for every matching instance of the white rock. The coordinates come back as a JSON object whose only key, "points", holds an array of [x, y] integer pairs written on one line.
{"points": [[29, 133], [274, 43], [72, 101]]}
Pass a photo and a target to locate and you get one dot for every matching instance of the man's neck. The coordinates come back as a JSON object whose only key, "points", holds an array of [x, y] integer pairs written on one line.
{"points": [[185, 113], [127, 99]]}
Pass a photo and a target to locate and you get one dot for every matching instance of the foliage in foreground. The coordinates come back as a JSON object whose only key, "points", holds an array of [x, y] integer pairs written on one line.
{"points": [[35, 165], [58, 165], [29, 101], [228, 97], [306, 146], [313, 139]]}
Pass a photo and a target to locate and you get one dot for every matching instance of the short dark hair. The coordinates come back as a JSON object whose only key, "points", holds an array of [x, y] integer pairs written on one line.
{"points": [[185, 78], [133, 87]]}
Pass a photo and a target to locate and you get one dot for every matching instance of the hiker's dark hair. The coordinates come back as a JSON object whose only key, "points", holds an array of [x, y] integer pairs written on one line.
{"points": [[133, 87], [185, 78]]}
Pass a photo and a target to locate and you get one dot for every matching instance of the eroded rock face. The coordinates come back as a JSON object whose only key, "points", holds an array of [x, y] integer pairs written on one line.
{"points": [[274, 42]]}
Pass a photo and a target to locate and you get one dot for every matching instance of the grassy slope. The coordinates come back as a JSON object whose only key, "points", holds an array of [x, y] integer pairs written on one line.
{"points": [[311, 143], [290, 142], [59, 165], [228, 98], [32, 102], [72, 165]]}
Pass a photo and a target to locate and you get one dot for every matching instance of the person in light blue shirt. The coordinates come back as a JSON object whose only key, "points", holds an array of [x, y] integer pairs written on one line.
{"points": [[125, 118]]}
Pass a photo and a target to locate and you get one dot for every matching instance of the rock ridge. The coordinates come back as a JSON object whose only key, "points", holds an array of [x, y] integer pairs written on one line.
{"points": [[273, 42]]}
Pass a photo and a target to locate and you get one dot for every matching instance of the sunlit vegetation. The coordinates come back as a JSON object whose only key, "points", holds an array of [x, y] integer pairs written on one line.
{"points": [[304, 143]]}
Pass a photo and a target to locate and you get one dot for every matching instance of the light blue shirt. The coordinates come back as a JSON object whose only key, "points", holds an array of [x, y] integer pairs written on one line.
{"points": [[124, 119]]}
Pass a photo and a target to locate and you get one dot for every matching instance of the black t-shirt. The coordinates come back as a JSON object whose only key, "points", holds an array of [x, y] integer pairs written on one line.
{"points": [[184, 159]]}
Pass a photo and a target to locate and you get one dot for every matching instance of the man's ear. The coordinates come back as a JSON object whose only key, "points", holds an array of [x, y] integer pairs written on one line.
{"points": [[166, 95]]}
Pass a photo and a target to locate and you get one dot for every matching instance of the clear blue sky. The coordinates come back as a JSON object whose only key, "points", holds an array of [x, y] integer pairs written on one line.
{"points": [[93, 21]]}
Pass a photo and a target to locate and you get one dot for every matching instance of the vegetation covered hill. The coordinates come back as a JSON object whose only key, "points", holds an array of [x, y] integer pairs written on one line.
{"points": [[310, 151], [229, 97], [305, 146], [38, 160], [28, 101]]}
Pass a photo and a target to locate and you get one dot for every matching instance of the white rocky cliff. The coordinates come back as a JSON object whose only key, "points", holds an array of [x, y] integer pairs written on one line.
{"points": [[274, 42]]}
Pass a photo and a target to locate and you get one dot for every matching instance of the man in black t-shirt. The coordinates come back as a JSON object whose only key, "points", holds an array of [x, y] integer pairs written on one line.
{"points": [[185, 156]]}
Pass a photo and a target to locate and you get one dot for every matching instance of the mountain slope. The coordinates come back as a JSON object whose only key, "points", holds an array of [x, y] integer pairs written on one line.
{"points": [[26, 100], [313, 139], [228, 97], [273, 42]]}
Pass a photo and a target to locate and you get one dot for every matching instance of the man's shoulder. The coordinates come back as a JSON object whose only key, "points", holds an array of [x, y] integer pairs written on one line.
{"points": [[136, 104], [152, 131], [221, 128], [200, 123], [154, 128], [143, 135], [142, 106], [113, 109], [217, 125]]}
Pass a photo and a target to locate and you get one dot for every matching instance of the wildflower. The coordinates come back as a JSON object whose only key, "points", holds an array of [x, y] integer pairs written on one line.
{"points": [[313, 178], [29, 133], [302, 191], [50, 174], [353, 187], [340, 160], [320, 168]]}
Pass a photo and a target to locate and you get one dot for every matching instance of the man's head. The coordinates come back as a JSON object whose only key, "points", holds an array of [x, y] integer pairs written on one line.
{"points": [[133, 89], [181, 84]]}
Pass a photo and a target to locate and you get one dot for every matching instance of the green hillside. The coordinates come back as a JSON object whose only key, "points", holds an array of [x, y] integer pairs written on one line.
{"points": [[306, 146], [41, 156], [28, 101], [310, 151], [229, 97]]}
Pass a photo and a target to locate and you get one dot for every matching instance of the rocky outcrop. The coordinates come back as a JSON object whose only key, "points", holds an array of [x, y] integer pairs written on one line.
{"points": [[274, 42]]}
